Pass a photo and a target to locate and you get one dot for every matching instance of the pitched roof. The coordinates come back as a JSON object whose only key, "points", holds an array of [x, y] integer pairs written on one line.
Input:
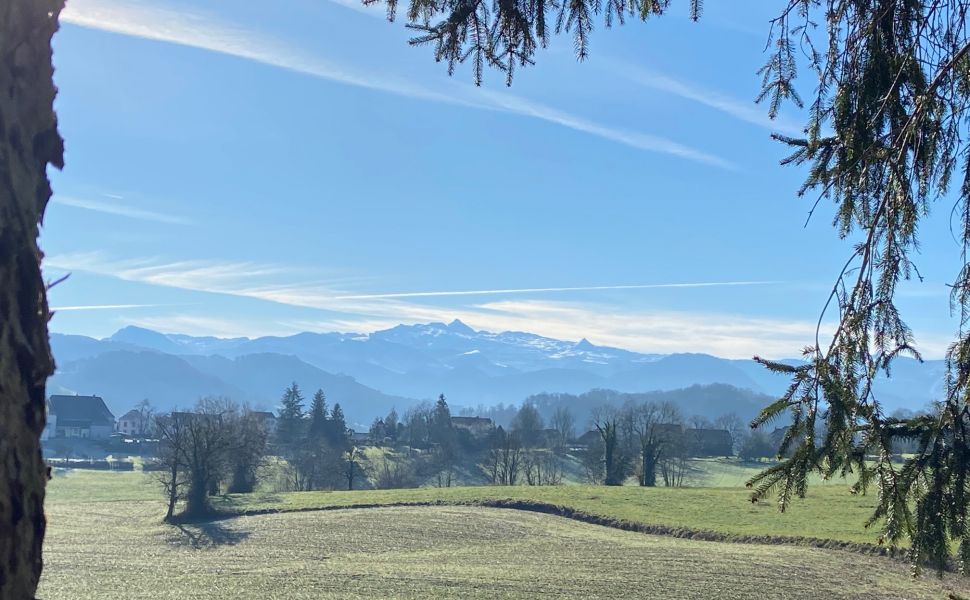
{"points": [[90, 409], [131, 415]]}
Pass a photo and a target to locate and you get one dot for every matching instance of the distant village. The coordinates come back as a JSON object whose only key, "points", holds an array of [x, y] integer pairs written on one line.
{"points": [[78, 418]]}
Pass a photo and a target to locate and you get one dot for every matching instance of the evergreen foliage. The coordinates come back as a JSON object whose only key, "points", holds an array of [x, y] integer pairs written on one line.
{"points": [[886, 136], [318, 415], [291, 419]]}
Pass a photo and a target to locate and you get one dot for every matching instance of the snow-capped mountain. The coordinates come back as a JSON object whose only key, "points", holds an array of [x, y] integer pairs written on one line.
{"points": [[410, 362]]}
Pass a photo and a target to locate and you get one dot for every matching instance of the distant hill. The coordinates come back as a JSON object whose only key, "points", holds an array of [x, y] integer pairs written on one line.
{"points": [[123, 378], [711, 401], [406, 363]]}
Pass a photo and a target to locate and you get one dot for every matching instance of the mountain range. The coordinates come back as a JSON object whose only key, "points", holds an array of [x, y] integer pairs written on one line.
{"points": [[369, 373]]}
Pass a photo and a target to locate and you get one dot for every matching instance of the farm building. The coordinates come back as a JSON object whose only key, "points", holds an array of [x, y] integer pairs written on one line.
{"points": [[81, 417]]}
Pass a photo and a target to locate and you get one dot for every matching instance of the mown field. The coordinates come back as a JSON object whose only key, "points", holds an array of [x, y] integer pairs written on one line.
{"points": [[106, 540]]}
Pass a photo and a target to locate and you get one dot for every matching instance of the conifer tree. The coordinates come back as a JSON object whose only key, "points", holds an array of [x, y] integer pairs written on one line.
{"points": [[390, 425], [338, 428], [291, 421], [318, 416]]}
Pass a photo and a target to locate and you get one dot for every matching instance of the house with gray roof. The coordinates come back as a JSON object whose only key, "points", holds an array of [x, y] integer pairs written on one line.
{"points": [[86, 417]]}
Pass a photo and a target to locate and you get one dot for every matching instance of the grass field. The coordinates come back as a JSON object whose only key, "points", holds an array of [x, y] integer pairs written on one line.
{"points": [[120, 550], [106, 540], [830, 512]]}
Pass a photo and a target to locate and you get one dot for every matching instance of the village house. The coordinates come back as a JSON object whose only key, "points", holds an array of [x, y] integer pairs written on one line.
{"points": [[133, 423], [84, 417], [479, 427]]}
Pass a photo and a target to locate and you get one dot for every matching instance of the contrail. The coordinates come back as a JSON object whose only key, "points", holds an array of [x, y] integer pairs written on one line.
{"points": [[590, 288], [144, 20]]}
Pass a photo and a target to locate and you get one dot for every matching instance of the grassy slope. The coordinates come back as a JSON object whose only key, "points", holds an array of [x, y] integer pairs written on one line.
{"points": [[828, 512], [100, 549]]}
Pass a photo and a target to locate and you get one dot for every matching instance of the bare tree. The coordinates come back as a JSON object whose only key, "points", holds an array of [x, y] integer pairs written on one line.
{"points": [[208, 443], [616, 462], [509, 458], [172, 434], [527, 424], [249, 442], [656, 427], [733, 424], [354, 466], [565, 425], [146, 416], [542, 467]]}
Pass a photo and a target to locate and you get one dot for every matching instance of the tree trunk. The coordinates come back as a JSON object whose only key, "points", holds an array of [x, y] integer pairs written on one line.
{"points": [[28, 142]]}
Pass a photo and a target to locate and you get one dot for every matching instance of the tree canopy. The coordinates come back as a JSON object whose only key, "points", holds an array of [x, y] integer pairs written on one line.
{"points": [[884, 139]]}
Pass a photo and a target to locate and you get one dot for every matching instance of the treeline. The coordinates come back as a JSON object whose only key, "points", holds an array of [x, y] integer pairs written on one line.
{"points": [[710, 401]]}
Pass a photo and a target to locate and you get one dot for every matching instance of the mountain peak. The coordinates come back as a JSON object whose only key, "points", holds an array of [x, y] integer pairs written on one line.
{"points": [[459, 327], [584, 344]]}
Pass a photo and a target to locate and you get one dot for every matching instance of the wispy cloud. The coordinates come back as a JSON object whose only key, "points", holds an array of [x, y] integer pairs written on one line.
{"points": [[120, 209], [287, 285], [210, 33], [656, 331], [747, 111], [589, 288], [108, 307]]}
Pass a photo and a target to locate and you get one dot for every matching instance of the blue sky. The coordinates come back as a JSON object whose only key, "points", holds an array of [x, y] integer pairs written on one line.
{"points": [[251, 168]]}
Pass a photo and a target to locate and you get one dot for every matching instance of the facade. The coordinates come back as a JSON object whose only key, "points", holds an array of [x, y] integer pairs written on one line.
{"points": [[132, 423], [477, 426], [84, 417]]}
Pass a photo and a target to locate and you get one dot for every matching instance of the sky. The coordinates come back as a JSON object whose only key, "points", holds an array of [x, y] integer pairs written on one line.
{"points": [[250, 168]]}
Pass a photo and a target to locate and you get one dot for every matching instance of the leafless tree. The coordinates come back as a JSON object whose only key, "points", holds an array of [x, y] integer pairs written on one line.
{"points": [[509, 458], [655, 427], [606, 420], [733, 424], [172, 434], [565, 425], [249, 442], [354, 466], [542, 467], [207, 449]]}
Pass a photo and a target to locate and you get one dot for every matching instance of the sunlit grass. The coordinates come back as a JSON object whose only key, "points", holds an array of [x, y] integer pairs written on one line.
{"points": [[122, 550]]}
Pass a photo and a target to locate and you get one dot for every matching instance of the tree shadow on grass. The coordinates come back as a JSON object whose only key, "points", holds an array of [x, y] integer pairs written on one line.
{"points": [[206, 534]]}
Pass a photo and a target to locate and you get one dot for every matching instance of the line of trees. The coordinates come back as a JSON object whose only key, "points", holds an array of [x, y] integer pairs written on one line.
{"points": [[651, 441], [316, 443]]}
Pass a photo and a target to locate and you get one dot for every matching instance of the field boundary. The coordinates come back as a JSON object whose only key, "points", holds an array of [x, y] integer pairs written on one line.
{"points": [[689, 533]]}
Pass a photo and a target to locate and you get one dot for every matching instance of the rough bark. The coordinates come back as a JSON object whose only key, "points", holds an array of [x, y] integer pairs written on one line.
{"points": [[28, 143]]}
